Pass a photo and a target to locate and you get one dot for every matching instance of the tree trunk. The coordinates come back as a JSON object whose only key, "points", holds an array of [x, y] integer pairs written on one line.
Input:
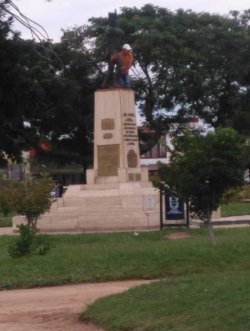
{"points": [[210, 228], [187, 214]]}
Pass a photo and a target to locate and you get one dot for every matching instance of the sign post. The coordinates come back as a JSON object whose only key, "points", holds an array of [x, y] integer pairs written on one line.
{"points": [[174, 208]]}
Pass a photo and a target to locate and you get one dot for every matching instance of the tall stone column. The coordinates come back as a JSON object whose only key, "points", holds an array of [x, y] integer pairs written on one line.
{"points": [[116, 145]]}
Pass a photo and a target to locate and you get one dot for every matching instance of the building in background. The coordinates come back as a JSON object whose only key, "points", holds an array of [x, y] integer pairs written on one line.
{"points": [[30, 168], [161, 150], [73, 173]]}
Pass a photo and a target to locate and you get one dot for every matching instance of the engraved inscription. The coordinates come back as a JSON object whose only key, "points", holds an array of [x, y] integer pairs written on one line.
{"points": [[130, 177], [137, 177], [134, 177], [107, 135], [132, 159], [108, 157], [108, 124], [130, 134]]}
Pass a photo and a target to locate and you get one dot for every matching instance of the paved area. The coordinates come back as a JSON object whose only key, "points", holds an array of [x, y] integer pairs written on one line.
{"points": [[226, 222], [6, 231], [232, 221], [54, 308]]}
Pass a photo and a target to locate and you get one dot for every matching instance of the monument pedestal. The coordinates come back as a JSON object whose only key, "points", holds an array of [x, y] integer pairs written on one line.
{"points": [[118, 194], [116, 147]]}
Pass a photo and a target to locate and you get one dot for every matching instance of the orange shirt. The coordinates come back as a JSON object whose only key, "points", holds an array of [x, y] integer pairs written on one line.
{"points": [[125, 60]]}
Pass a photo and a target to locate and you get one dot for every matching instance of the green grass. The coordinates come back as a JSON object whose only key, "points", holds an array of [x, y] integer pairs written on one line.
{"points": [[235, 209], [204, 288], [103, 257], [5, 221], [203, 302]]}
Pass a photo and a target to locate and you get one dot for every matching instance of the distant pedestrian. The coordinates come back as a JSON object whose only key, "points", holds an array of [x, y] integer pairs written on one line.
{"points": [[56, 190], [60, 189]]}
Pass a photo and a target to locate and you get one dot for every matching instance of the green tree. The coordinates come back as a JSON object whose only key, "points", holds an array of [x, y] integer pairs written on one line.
{"points": [[203, 168], [65, 116], [7, 195], [33, 199], [202, 69], [16, 93], [187, 63], [46, 95], [30, 198]]}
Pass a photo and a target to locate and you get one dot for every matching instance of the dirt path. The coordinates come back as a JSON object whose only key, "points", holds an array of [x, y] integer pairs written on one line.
{"points": [[54, 308]]}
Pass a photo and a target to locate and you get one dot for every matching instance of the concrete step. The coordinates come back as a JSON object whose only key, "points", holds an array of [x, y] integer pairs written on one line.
{"points": [[232, 221]]}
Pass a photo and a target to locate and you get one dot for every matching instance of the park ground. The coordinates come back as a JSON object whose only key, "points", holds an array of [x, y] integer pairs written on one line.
{"points": [[198, 282], [54, 308]]}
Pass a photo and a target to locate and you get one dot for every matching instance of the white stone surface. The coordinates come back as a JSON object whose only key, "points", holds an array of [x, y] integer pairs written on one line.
{"points": [[123, 202]]}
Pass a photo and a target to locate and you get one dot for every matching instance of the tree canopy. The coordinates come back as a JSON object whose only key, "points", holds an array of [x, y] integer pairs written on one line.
{"points": [[15, 93], [203, 168], [46, 96], [186, 64]]}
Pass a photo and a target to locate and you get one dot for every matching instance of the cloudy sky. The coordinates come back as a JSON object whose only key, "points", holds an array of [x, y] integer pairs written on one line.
{"points": [[58, 14]]}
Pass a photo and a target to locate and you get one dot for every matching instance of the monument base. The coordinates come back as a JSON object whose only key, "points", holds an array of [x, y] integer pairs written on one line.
{"points": [[102, 207], [118, 195], [124, 176]]}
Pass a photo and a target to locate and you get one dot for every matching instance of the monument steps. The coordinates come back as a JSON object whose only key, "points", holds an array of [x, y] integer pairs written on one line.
{"points": [[118, 195], [94, 221]]}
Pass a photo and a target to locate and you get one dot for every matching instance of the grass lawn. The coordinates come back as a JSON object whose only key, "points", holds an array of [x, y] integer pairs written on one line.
{"points": [[102, 257], [5, 221], [204, 287], [209, 294], [198, 302], [235, 209]]}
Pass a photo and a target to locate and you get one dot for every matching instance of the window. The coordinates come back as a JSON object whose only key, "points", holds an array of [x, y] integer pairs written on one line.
{"points": [[158, 151]]}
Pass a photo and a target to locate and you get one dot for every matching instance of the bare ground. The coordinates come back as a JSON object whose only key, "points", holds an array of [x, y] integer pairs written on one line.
{"points": [[54, 308], [178, 235]]}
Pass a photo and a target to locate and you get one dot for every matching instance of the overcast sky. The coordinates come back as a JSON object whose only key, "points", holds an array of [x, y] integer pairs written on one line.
{"points": [[58, 14]]}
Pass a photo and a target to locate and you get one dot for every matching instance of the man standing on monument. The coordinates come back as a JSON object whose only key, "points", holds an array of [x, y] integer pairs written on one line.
{"points": [[123, 61]]}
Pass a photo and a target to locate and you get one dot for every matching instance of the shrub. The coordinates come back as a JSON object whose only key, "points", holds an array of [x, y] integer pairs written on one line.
{"points": [[245, 193], [33, 199], [28, 243], [233, 194], [29, 198], [7, 195]]}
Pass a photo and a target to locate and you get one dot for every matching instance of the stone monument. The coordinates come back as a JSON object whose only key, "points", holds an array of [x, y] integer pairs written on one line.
{"points": [[118, 194]]}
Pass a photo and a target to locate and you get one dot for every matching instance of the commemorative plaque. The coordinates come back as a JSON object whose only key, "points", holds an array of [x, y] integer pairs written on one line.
{"points": [[108, 160]]}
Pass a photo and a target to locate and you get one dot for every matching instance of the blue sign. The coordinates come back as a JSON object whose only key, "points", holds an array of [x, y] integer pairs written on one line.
{"points": [[174, 208]]}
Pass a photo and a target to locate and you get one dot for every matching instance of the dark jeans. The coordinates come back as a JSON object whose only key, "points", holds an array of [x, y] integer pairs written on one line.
{"points": [[124, 81]]}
